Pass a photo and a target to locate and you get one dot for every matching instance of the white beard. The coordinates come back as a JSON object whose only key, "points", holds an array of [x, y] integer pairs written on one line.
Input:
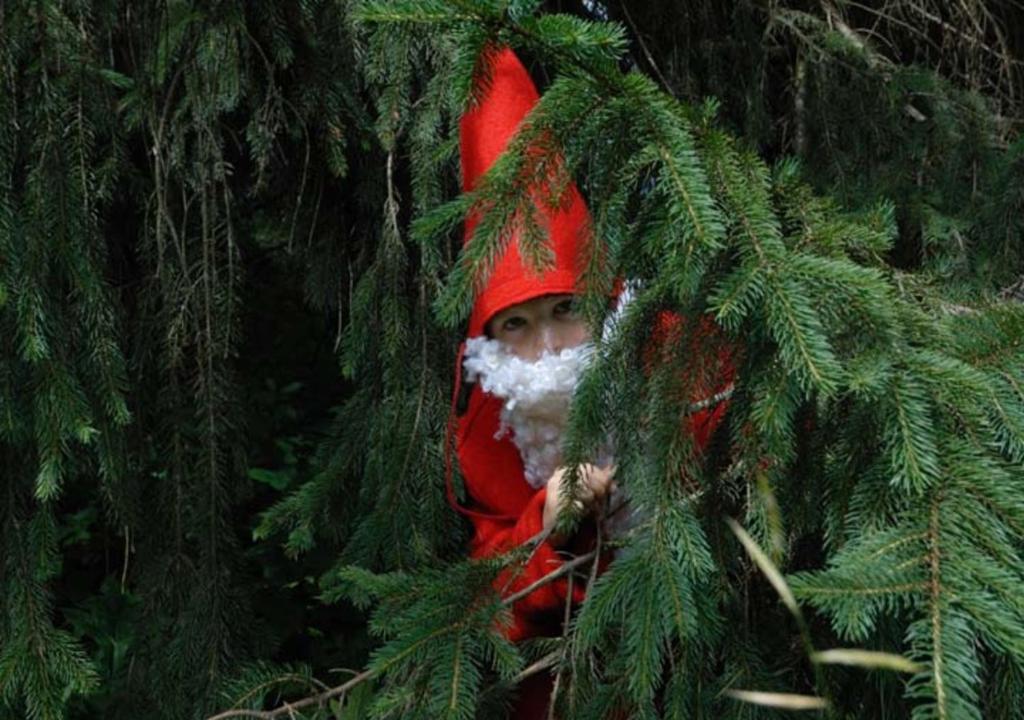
{"points": [[536, 398]]}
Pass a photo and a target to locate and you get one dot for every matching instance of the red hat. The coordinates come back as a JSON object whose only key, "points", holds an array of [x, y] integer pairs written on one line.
{"points": [[485, 133]]}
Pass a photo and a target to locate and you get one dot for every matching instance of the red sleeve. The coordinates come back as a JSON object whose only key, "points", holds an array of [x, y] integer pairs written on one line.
{"points": [[507, 513], [496, 536]]}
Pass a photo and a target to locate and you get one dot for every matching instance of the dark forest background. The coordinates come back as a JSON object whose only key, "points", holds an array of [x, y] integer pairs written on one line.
{"points": [[227, 331]]}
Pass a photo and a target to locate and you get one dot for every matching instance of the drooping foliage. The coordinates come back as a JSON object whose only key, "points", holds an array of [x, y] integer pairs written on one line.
{"points": [[232, 289]]}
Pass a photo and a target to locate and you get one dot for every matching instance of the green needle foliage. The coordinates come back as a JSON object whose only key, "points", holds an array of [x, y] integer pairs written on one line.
{"points": [[232, 287]]}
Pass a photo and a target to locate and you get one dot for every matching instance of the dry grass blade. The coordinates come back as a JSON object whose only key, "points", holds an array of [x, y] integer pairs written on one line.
{"points": [[766, 565], [784, 701], [866, 659]]}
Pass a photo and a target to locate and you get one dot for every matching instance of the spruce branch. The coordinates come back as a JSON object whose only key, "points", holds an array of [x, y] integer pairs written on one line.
{"points": [[148, 213], [382, 667]]}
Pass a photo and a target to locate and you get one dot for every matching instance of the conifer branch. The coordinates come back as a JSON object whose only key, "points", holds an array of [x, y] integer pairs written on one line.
{"points": [[320, 698], [886, 403], [546, 662], [708, 402], [643, 46]]}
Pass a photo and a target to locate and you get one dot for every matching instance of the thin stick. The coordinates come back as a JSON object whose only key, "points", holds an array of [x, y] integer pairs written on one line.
{"points": [[290, 708], [535, 667], [711, 401], [647, 53], [561, 659], [566, 567], [540, 665]]}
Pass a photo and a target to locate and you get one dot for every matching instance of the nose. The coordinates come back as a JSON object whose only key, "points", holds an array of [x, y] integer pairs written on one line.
{"points": [[551, 338], [545, 339]]}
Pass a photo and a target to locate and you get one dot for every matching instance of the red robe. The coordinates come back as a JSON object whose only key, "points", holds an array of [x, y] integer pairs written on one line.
{"points": [[507, 512]]}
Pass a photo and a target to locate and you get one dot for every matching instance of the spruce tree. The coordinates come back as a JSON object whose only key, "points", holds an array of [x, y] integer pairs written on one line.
{"points": [[208, 209]]}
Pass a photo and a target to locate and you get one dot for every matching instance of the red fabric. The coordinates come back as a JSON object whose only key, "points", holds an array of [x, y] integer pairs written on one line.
{"points": [[485, 132], [509, 513], [504, 509], [706, 375]]}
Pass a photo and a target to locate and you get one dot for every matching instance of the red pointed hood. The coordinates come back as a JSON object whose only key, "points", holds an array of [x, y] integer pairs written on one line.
{"points": [[485, 133]]}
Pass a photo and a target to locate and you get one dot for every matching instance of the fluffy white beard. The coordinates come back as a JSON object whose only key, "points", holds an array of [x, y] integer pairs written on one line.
{"points": [[536, 398]]}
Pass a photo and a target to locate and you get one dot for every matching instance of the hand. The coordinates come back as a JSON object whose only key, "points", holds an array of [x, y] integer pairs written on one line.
{"points": [[595, 484]]}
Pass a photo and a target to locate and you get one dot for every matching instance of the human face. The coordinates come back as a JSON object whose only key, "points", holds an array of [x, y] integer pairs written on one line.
{"points": [[549, 322]]}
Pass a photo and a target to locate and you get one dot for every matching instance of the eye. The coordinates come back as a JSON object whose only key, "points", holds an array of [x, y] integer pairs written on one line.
{"points": [[513, 323], [566, 308]]}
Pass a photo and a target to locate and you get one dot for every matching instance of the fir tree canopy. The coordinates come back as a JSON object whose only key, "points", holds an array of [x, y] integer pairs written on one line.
{"points": [[233, 287]]}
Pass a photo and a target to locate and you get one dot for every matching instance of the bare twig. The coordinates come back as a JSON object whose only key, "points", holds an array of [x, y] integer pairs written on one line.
{"points": [[288, 677], [290, 708], [565, 568], [1014, 291], [565, 644], [127, 555], [800, 106], [647, 53], [711, 401], [539, 666], [534, 543]]}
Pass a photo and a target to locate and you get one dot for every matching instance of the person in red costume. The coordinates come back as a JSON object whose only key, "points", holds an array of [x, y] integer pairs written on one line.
{"points": [[524, 350]]}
